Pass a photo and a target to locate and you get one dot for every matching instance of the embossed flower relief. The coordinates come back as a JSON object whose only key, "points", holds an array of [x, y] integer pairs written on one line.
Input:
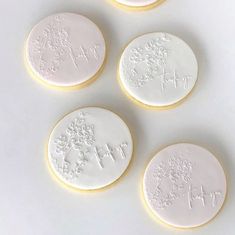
{"points": [[81, 134], [173, 180], [50, 49], [77, 147], [149, 62], [54, 47], [78, 137]]}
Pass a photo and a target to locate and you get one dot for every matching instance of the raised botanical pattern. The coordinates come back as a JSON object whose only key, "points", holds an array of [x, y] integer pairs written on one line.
{"points": [[54, 46], [77, 148], [173, 180], [149, 62], [176, 173]]}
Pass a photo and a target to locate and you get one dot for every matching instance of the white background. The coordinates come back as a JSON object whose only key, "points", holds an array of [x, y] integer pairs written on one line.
{"points": [[31, 202]]}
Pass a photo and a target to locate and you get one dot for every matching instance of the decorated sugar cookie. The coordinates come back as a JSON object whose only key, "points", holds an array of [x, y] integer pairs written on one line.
{"points": [[137, 4], [65, 50], [158, 70], [184, 185], [90, 148]]}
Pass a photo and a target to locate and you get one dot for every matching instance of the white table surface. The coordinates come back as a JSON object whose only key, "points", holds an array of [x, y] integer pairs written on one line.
{"points": [[31, 202]]}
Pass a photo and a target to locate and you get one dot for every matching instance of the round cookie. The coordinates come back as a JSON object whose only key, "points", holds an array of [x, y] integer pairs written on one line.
{"points": [[184, 185], [65, 50], [158, 70], [137, 4], [90, 148]]}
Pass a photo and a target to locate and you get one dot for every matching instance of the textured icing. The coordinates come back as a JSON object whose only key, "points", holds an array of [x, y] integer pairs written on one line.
{"points": [[137, 3], [90, 148], [65, 50], [184, 185], [158, 69]]}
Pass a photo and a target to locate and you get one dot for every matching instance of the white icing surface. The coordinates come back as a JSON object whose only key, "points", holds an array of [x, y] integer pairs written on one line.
{"points": [[184, 185], [158, 69], [65, 50], [137, 3], [90, 148]]}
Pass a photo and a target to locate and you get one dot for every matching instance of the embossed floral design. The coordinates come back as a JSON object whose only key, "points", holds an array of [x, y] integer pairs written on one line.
{"points": [[80, 133], [54, 47], [153, 53], [149, 62], [75, 148], [176, 173], [63, 144], [79, 137]]}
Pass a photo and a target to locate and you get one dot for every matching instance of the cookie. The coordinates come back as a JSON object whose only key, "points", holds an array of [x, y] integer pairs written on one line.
{"points": [[137, 4], [184, 185], [90, 148], [158, 70], [65, 50]]}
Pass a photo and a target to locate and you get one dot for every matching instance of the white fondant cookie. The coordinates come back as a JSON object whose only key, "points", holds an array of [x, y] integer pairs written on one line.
{"points": [[184, 185], [90, 148], [158, 69], [65, 50], [137, 3]]}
